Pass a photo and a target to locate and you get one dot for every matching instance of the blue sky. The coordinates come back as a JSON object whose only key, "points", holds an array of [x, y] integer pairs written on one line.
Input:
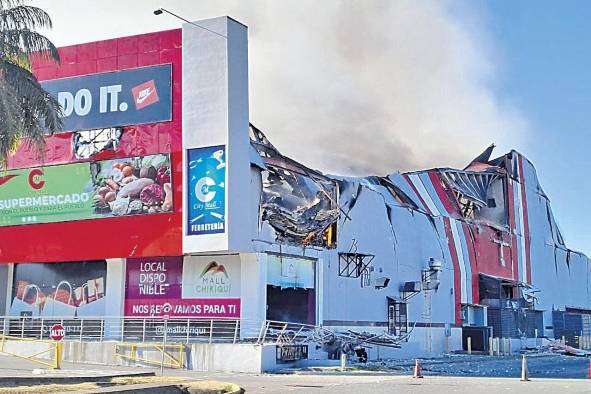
{"points": [[545, 47]]}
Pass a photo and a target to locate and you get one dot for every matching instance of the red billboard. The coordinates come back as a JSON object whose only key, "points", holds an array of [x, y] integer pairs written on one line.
{"points": [[117, 236]]}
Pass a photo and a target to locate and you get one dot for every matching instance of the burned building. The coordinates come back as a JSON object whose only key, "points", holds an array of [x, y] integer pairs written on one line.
{"points": [[171, 204], [503, 269]]}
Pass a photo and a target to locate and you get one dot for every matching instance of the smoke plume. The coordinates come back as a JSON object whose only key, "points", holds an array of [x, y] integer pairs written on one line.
{"points": [[359, 87]]}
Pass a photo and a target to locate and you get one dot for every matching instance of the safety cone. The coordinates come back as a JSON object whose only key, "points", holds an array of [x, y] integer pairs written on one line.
{"points": [[524, 372], [589, 370], [417, 373]]}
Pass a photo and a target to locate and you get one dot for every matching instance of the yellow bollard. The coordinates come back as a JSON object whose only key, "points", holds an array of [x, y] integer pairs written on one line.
{"points": [[59, 351], [469, 345]]}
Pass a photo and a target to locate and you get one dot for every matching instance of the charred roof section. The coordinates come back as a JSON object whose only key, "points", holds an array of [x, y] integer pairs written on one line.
{"points": [[300, 204]]}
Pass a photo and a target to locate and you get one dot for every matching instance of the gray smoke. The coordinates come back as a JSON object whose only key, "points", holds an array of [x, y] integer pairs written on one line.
{"points": [[351, 86]]}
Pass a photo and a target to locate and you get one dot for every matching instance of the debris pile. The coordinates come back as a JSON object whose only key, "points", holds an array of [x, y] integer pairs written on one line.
{"points": [[561, 348]]}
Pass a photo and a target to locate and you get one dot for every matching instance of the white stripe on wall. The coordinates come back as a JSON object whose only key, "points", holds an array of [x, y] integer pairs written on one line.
{"points": [[461, 262], [418, 183], [522, 262]]}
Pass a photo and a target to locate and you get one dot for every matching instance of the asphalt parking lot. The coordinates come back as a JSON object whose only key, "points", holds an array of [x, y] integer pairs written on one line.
{"points": [[327, 381]]}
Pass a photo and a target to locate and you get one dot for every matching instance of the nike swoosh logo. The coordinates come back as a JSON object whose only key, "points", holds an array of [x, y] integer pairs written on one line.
{"points": [[6, 178], [144, 94]]}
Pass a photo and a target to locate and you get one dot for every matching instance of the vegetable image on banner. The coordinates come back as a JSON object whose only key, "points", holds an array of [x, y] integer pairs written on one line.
{"points": [[206, 190], [131, 186], [198, 286]]}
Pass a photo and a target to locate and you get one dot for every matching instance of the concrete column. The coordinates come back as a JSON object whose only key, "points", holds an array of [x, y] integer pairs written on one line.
{"points": [[115, 292], [253, 286], [319, 284], [215, 113], [6, 282]]}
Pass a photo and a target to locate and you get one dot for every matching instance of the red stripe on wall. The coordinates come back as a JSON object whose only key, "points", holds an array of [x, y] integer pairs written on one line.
{"points": [[407, 178], [457, 272], [443, 196], [525, 219]]}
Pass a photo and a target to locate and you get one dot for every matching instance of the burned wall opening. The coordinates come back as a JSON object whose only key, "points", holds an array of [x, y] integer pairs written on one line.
{"points": [[511, 312]]}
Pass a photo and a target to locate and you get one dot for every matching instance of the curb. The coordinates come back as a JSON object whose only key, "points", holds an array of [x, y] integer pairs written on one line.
{"points": [[11, 381], [192, 388]]}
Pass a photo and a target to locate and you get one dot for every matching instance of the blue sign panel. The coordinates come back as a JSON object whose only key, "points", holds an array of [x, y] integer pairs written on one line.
{"points": [[119, 98], [206, 190]]}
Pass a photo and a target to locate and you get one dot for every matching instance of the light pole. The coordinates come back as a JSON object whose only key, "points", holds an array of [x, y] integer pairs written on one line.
{"points": [[160, 11]]}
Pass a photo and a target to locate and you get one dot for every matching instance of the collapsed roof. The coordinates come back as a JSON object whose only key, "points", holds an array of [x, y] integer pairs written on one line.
{"points": [[301, 203]]}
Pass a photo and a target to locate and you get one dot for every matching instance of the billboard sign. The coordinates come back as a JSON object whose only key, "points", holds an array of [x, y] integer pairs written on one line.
{"points": [[118, 187], [60, 289], [118, 98], [211, 277], [46, 194], [206, 168], [199, 286]]}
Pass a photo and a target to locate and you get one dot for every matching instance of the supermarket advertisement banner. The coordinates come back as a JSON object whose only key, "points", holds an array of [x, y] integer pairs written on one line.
{"points": [[198, 286], [60, 193]]}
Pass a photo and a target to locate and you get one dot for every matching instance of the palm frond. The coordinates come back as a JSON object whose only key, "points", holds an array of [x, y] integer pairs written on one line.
{"points": [[16, 42], [42, 109], [27, 112], [24, 17]]}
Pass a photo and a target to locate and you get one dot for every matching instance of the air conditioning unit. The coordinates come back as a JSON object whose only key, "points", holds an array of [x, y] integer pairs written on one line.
{"points": [[410, 287]]}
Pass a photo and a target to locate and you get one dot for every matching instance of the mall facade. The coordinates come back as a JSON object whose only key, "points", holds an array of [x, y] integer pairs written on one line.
{"points": [[160, 198]]}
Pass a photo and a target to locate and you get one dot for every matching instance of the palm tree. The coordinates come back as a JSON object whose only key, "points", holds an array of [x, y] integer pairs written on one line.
{"points": [[27, 112]]}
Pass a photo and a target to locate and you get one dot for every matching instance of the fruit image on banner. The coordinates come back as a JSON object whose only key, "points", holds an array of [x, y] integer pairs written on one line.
{"points": [[133, 185]]}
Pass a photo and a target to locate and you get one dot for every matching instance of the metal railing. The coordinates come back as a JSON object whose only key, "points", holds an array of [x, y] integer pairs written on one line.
{"points": [[153, 329], [50, 354], [167, 355]]}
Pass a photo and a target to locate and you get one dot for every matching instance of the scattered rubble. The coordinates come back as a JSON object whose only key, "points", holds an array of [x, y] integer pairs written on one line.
{"points": [[557, 347], [540, 365]]}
